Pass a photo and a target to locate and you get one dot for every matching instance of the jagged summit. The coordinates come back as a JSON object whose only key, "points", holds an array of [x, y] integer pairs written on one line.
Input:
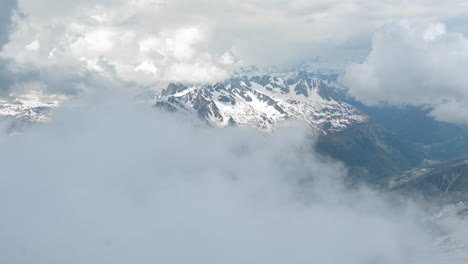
{"points": [[264, 101]]}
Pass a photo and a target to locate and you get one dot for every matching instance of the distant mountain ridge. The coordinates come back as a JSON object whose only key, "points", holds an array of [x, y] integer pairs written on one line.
{"points": [[28, 109]]}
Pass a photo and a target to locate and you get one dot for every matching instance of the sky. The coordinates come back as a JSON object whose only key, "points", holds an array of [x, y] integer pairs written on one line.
{"points": [[71, 46], [203, 40]]}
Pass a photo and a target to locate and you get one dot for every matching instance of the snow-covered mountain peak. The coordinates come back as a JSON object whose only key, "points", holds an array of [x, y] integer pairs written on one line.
{"points": [[264, 101], [30, 107]]}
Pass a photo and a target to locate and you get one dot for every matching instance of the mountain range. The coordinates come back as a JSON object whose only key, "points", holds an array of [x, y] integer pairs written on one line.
{"points": [[378, 144]]}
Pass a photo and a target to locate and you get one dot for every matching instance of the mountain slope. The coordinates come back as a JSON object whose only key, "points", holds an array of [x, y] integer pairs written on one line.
{"points": [[267, 101], [417, 130], [448, 181]]}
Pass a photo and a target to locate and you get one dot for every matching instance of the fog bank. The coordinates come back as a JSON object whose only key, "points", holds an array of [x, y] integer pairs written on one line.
{"points": [[114, 182]]}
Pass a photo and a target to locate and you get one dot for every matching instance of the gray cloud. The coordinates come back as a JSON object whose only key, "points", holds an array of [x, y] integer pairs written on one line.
{"points": [[415, 62], [116, 183], [6, 12], [70, 80]]}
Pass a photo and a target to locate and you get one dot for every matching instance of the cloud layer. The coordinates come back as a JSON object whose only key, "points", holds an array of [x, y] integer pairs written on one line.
{"points": [[416, 63], [203, 40], [107, 184]]}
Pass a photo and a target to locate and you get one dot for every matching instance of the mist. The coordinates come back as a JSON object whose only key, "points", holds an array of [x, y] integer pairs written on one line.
{"points": [[111, 181]]}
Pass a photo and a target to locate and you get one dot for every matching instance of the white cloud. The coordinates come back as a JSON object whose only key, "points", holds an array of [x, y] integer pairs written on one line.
{"points": [[179, 32], [227, 58], [100, 40], [33, 46], [195, 73], [52, 54], [147, 67], [150, 44], [415, 62], [181, 44]]}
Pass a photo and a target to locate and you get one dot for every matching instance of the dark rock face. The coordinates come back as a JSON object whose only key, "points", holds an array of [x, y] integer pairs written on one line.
{"points": [[227, 99], [174, 88]]}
